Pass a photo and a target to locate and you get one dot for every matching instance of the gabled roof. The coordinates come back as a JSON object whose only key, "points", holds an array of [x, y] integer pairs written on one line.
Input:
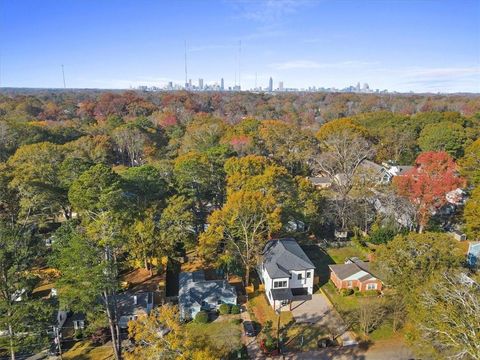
{"points": [[353, 269], [194, 289], [132, 303], [284, 255]]}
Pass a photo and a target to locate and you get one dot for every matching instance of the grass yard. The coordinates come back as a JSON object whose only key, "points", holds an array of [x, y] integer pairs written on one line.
{"points": [[223, 334], [85, 351], [303, 337], [343, 304], [340, 254], [261, 311]]}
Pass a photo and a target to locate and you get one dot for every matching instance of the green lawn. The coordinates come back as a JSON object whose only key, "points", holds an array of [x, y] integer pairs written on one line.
{"points": [[85, 351], [303, 337], [340, 254], [261, 311], [343, 304], [223, 334]]}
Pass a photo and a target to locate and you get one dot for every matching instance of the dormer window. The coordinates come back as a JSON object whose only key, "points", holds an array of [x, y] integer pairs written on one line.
{"points": [[299, 277], [309, 274]]}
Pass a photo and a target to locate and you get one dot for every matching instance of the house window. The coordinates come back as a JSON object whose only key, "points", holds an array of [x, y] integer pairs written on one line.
{"points": [[219, 302], [279, 284], [309, 274], [299, 277], [372, 286], [350, 284]]}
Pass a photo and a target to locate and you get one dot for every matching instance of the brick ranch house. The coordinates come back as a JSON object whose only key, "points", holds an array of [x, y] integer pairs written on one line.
{"points": [[355, 273]]}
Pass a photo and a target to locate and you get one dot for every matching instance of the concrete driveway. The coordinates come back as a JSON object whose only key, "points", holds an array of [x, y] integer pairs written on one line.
{"points": [[320, 311]]}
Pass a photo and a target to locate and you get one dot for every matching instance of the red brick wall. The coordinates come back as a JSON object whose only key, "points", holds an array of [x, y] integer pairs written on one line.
{"points": [[362, 286]]}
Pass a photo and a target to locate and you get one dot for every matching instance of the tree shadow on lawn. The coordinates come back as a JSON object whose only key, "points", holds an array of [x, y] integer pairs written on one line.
{"points": [[321, 260]]}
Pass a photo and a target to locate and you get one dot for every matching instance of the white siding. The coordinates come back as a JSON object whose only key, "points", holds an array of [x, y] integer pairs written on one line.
{"points": [[292, 282]]}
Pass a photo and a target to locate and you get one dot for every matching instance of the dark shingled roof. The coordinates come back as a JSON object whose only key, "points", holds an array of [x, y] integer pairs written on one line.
{"points": [[282, 294], [284, 255]]}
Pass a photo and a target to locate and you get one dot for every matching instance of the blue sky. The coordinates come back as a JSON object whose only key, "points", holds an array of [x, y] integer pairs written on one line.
{"points": [[407, 45]]}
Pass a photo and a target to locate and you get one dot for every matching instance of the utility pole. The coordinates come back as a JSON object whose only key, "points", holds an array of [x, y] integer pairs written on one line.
{"points": [[279, 312], [56, 330], [63, 74]]}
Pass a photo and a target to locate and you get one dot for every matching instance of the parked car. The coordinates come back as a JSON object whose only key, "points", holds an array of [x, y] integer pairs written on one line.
{"points": [[249, 328]]}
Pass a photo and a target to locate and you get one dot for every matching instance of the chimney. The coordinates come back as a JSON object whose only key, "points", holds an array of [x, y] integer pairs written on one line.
{"points": [[135, 301]]}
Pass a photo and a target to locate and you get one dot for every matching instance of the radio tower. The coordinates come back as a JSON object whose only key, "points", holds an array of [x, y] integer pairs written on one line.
{"points": [[239, 62], [63, 75], [186, 72]]}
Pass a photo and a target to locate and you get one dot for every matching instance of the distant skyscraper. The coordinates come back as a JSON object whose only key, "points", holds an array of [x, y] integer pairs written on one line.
{"points": [[200, 84], [189, 83], [222, 85], [358, 86], [280, 85], [270, 85]]}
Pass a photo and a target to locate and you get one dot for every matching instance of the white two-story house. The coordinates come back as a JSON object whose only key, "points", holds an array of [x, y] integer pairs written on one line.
{"points": [[286, 272]]}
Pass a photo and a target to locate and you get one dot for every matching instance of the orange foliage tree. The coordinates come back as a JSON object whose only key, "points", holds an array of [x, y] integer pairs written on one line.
{"points": [[428, 183]]}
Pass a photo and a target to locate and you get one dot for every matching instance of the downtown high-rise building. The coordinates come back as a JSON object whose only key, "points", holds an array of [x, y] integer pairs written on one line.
{"points": [[222, 84], [270, 84], [200, 84], [280, 86]]}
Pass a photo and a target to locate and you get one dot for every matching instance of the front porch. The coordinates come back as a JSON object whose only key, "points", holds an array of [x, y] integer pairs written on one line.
{"points": [[283, 298]]}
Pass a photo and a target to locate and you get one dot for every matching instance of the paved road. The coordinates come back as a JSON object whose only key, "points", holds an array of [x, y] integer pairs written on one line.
{"points": [[379, 351]]}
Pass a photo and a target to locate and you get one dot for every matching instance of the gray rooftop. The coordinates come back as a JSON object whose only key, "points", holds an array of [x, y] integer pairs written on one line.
{"points": [[284, 255], [194, 289], [320, 180], [130, 303], [282, 294], [351, 267]]}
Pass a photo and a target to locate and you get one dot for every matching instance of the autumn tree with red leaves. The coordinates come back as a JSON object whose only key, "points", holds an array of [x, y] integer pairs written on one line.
{"points": [[428, 183]]}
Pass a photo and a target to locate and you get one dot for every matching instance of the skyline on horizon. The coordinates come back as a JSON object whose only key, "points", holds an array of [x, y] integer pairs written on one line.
{"points": [[420, 46]]}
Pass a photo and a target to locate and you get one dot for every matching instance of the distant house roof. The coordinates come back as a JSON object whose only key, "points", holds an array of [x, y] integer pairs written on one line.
{"points": [[133, 303], [372, 166], [353, 269], [320, 180], [473, 256], [402, 169], [194, 289], [284, 255]]}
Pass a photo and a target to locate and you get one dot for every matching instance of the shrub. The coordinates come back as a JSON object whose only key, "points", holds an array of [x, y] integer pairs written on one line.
{"points": [[201, 317], [235, 309], [224, 309], [236, 321], [346, 292], [78, 335], [383, 235], [367, 293]]}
